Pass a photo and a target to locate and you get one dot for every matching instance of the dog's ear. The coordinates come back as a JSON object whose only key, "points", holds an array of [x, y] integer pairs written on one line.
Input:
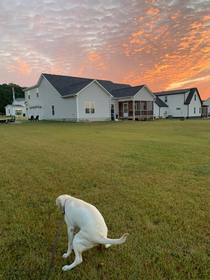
{"points": [[58, 202]]}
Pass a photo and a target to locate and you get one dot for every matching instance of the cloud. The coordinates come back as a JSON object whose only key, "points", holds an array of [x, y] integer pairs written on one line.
{"points": [[159, 43]]}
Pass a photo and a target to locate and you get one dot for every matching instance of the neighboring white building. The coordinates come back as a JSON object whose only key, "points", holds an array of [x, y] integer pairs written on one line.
{"points": [[206, 103], [17, 108], [160, 108], [182, 103], [57, 97]]}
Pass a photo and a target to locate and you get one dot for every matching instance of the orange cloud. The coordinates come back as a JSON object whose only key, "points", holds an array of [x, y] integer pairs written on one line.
{"points": [[94, 57], [153, 11], [24, 67], [138, 33], [80, 72]]}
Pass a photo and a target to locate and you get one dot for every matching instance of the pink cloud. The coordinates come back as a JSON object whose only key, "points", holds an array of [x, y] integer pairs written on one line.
{"points": [[157, 43]]}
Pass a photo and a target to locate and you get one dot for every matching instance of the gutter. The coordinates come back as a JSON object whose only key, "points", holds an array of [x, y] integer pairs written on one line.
{"points": [[77, 106]]}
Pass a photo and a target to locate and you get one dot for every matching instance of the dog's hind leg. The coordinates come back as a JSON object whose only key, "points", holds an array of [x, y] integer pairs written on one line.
{"points": [[70, 232], [78, 255]]}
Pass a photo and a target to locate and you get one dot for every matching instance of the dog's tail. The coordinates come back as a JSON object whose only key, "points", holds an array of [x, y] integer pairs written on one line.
{"points": [[113, 241]]}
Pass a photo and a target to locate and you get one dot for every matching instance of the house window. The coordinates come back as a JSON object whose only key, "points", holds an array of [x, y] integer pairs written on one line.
{"points": [[53, 110], [37, 92], [194, 110], [200, 110], [166, 98], [178, 108], [89, 107], [29, 95], [195, 97]]}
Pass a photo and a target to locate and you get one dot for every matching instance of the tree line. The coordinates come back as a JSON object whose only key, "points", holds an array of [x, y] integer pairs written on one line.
{"points": [[6, 95]]}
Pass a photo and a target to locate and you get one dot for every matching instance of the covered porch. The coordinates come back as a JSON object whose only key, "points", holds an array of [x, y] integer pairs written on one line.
{"points": [[136, 110]]}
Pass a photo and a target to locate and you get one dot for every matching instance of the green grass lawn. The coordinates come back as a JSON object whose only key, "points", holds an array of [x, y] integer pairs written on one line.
{"points": [[151, 179]]}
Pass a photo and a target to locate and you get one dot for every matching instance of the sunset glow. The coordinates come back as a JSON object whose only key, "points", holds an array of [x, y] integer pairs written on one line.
{"points": [[163, 44]]}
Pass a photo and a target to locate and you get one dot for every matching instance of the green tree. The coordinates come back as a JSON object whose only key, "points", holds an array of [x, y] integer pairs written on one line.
{"points": [[6, 96]]}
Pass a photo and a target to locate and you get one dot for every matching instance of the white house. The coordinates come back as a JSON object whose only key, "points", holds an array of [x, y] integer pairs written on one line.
{"points": [[57, 97], [206, 104], [160, 108], [16, 108], [182, 103]]}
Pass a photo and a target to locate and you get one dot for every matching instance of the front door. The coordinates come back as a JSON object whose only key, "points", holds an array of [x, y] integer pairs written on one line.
{"points": [[125, 110]]}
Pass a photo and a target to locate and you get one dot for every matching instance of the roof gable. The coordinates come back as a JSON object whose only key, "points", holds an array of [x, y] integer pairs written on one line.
{"points": [[190, 96], [67, 85]]}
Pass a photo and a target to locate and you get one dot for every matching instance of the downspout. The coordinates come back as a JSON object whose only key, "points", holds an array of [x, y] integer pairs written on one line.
{"points": [[110, 109], [77, 107], [133, 110]]}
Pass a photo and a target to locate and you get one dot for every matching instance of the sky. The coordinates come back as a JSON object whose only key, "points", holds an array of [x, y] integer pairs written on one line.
{"points": [[164, 44]]}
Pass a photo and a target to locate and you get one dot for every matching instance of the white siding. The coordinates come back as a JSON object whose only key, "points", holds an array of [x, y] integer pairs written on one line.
{"points": [[144, 95], [160, 111], [195, 104], [64, 108], [116, 108], [94, 93], [176, 106]]}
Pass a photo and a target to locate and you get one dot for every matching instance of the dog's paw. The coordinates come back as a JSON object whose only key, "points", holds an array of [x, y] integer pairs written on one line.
{"points": [[65, 255], [65, 267]]}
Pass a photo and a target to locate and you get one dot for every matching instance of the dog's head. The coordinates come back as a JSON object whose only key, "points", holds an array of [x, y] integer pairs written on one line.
{"points": [[61, 200]]}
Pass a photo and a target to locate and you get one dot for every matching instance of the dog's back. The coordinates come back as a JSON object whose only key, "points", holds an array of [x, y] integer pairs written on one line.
{"points": [[85, 217]]}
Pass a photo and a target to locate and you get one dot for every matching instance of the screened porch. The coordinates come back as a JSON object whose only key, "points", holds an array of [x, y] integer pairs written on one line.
{"points": [[136, 110]]}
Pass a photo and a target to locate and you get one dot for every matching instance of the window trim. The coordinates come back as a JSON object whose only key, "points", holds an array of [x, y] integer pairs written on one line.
{"points": [[88, 109]]}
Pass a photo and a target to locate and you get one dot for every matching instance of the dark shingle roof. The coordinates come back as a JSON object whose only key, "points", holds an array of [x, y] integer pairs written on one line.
{"points": [[67, 85], [160, 103], [126, 92], [110, 86], [190, 96], [171, 92]]}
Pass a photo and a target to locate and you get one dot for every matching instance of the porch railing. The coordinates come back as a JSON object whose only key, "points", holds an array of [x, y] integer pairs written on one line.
{"points": [[137, 114]]}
